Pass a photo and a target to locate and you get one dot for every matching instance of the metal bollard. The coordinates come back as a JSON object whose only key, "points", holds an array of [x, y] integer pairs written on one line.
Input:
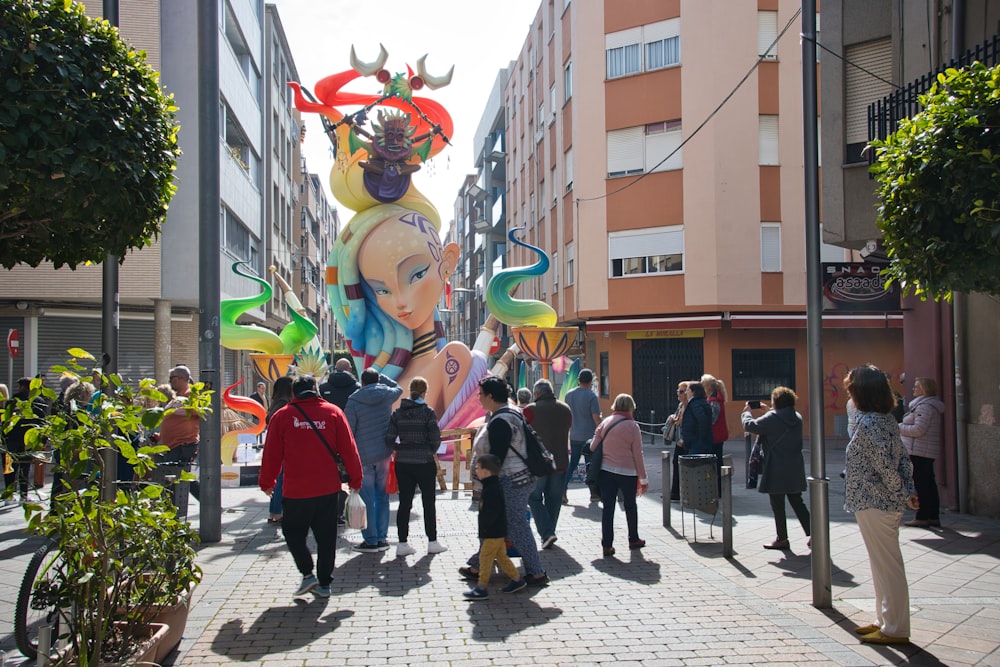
{"points": [[727, 511], [665, 473], [44, 645]]}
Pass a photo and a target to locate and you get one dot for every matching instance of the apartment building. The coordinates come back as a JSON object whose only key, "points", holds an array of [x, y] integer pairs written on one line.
{"points": [[655, 151], [901, 47], [262, 178]]}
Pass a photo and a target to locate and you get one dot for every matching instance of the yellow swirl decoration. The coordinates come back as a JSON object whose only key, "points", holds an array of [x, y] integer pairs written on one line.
{"points": [[519, 312]]}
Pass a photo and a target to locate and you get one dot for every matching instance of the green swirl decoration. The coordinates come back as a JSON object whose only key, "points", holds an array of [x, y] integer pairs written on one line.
{"points": [[519, 312], [299, 332]]}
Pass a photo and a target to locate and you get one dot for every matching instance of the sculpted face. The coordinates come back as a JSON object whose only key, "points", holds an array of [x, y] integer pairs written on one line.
{"points": [[404, 263]]}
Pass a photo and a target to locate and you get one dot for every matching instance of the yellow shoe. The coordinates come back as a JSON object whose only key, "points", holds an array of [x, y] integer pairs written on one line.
{"points": [[867, 629], [878, 638]]}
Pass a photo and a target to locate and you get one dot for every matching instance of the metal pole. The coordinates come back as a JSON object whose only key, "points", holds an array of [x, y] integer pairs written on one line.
{"points": [[109, 322], [821, 569], [665, 475], [209, 290], [727, 511], [958, 313]]}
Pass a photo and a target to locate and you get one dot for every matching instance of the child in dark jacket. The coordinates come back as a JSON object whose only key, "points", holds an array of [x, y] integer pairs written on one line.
{"points": [[492, 531]]}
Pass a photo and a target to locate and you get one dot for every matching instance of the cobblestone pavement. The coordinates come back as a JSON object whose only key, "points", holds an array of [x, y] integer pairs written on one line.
{"points": [[676, 602]]}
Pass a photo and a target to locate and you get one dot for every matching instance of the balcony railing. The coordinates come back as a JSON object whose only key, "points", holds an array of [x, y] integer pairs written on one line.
{"points": [[885, 114]]}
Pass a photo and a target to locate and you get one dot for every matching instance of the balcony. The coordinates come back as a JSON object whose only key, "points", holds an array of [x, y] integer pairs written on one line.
{"points": [[884, 115]]}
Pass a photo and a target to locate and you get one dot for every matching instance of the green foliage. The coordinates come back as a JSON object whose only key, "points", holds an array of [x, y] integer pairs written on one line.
{"points": [[939, 182], [121, 558], [88, 141]]}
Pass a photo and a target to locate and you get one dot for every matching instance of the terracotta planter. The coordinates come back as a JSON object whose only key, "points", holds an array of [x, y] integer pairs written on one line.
{"points": [[175, 618], [145, 652]]}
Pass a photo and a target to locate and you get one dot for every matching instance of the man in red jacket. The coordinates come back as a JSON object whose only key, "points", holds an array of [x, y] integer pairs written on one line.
{"points": [[302, 438]]}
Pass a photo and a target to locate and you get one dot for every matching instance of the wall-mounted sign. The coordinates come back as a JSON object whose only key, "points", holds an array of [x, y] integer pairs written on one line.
{"points": [[851, 286], [665, 333]]}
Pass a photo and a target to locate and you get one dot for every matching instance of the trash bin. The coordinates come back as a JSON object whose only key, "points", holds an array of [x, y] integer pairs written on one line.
{"points": [[699, 482]]}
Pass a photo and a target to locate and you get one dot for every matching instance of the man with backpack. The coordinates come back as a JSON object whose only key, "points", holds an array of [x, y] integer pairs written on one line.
{"points": [[551, 419], [505, 439]]}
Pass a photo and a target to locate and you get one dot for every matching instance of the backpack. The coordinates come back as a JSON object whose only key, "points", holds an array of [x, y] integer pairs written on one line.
{"points": [[539, 460]]}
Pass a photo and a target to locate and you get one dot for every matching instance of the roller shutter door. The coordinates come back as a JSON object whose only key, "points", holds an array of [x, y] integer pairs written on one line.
{"points": [[58, 334]]}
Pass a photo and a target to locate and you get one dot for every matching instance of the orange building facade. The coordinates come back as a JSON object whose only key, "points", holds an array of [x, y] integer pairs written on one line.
{"points": [[654, 150]]}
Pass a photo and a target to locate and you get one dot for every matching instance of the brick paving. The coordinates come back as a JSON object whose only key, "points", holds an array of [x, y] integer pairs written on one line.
{"points": [[676, 602]]}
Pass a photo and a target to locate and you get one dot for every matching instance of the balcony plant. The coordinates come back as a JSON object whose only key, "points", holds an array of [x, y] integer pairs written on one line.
{"points": [[124, 553]]}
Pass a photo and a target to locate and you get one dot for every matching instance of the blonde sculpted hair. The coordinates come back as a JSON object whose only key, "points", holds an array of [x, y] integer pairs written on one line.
{"points": [[623, 403], [418, 387]]}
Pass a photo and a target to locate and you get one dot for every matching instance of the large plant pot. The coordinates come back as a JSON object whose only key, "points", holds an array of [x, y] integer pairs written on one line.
{"points": [[145, 651], [175, 618]]}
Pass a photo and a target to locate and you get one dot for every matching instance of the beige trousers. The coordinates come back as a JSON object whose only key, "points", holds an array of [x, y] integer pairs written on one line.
{"points": [[880, 532]]}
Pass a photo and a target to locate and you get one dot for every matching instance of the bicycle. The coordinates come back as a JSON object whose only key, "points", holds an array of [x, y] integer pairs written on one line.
{"points": [[30, 612]]}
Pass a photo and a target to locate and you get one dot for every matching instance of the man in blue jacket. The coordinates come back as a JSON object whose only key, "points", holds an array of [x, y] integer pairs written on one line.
{"points": [[368, 411]]}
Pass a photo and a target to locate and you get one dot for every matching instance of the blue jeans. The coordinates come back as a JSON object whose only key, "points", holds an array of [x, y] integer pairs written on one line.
{"points": [[376, 501], [274, 507], [576, 449], [545, 502]]}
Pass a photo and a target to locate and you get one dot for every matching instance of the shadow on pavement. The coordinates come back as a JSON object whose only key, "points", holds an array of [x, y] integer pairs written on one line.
{"points": [[500, 617], [24, 544], [638, 569], [947, 541], [291, 627]]}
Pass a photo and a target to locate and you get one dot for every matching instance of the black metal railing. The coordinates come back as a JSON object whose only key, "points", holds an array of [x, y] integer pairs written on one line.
{"points": [[885, 114]]}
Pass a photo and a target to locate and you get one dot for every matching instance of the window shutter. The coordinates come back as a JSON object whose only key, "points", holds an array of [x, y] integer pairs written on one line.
{"points": [[770, 247], [661, 30], [625, 154], [658, 241], [568, 156], [659, 146], [768, 138], [767, 32], [861, 88], [614, 40]]}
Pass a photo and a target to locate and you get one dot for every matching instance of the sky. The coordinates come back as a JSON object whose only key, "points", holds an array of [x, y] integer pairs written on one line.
{"points": [[463, 33]]}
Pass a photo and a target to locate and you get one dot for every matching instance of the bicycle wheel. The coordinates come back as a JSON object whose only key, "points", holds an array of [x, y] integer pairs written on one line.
{"points": [[28, 617]]}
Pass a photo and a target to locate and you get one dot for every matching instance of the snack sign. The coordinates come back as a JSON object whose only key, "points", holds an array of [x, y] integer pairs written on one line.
{"points": [[853, 286]]}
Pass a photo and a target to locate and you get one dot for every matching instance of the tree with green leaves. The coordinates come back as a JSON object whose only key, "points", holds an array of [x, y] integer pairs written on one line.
{"points": [[938, 179], [88, 139]]}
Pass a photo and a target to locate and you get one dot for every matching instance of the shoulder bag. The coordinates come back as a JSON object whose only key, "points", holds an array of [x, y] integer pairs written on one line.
{"points": [[597, 455], [341, 468]]}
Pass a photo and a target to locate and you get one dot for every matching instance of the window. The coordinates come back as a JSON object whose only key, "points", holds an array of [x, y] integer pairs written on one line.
{"points": [[662, 140], [767, 129], [861, 88], [770, 247], [555, 272], [757, 372], [647, 251], [568, 169], [624, 60], [625, 151], [554, 186], [567, 82], [552, 103], [570, 261], [237, 240], [663, 44], [645, 148], [642, 49], [767, 32]]}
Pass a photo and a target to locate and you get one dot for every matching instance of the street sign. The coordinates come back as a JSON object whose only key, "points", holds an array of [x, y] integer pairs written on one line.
{"points": [[495, 345], [13, 343]]}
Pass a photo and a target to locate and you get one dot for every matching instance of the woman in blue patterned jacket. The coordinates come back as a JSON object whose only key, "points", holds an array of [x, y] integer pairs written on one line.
{"points": [[879, 486]]}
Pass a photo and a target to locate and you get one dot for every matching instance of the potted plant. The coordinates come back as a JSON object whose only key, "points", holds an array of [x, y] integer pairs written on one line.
{"points": [[124, 555]]}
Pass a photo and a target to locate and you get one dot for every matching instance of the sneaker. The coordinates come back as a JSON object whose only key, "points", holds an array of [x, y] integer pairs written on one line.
{"points": [[435, 547], [515, 585], [538, 580], [382, 546], [477, 593], [549, 541], [468, 573], [321, 591], [404, 549], [308, 583], [368, 548]]}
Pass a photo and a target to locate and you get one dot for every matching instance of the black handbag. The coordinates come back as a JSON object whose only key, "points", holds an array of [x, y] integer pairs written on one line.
{"points": [[597, 455], [341, 468]]}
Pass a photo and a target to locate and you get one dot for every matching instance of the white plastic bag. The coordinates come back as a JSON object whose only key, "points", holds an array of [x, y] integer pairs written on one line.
{"points": [[355, 512]]}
